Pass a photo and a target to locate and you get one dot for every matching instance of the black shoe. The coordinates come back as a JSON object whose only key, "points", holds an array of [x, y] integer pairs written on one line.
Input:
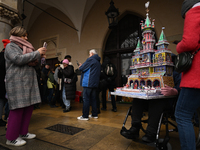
{"points": [[2, 123], [66, 110], [132, 133], [103, 108], [114, 109], [53, 106], [149, 137]]}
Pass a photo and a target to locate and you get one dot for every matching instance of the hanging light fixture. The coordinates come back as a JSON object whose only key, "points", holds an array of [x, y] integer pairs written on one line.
{"points": [[112, 14]]}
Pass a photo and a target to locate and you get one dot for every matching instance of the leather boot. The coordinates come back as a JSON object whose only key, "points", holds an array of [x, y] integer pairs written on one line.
{"points": [[132, 133]]}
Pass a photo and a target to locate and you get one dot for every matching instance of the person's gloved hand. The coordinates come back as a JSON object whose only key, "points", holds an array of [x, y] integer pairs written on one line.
{"points": [[168, 91]]}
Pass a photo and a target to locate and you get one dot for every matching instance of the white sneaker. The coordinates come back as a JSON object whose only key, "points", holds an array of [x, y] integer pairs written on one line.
{"points": [[17, 142], [95, 117], [28, 136], [81, 118]]}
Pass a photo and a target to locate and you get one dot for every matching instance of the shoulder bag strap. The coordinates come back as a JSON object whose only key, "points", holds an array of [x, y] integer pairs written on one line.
{"points": [[195, 52]]}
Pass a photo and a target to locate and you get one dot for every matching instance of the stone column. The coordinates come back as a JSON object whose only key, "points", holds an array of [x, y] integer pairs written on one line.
{"points": [[8, 19]]}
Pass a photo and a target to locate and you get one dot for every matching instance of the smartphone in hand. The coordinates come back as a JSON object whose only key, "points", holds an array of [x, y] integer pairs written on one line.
{"points": [[77, 63], [45, 44]]}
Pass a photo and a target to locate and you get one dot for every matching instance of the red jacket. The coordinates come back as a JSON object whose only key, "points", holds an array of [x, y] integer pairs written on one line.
{"points": [[191, 42]]}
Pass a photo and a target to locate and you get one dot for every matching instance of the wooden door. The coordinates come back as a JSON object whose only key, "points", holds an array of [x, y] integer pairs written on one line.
{"points": [[52, 62]]}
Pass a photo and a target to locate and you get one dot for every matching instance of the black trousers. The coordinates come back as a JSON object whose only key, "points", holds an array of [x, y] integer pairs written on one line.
{"points": [[44, 93], [111, 89], [154, 107], [97, 98]]}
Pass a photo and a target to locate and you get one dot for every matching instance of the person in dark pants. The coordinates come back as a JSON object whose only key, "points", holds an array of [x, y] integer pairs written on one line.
{"points": [[108, 73], [50, 85], [58, 95], [91, 70], [46, 72], [2, 81], [98, 100], [155, 109], [38, 73], [102, 85]]}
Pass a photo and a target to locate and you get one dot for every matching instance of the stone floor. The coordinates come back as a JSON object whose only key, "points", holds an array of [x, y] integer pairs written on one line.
{"points": [[56, 130]]}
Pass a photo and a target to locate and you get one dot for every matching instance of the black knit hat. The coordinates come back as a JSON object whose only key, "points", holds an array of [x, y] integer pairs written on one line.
{"points": [[187, 4]]}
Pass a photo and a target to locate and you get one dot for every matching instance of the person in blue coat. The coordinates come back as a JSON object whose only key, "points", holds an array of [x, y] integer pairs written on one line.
{"points": [[90, 76]]}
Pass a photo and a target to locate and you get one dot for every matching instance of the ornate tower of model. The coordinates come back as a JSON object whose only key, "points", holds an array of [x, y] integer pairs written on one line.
{"points": [[142, 64], [162, 60], [151, 67], [136, 58]]}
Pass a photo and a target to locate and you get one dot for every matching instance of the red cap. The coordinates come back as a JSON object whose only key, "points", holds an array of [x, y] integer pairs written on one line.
{"points": [[5, 42]]}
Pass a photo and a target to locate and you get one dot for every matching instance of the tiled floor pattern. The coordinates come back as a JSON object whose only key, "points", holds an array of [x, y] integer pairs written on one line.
{"points": [[95, 134]]}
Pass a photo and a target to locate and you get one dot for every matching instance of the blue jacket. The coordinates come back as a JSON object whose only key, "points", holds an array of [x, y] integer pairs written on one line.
{"points": [[91, 70]]}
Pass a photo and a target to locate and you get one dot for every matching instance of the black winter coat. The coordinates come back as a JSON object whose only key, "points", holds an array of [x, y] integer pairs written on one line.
{"points": [[70, 88]]}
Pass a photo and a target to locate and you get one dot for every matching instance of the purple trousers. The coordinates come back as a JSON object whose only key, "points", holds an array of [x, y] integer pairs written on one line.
{"points": [[18, 122]]}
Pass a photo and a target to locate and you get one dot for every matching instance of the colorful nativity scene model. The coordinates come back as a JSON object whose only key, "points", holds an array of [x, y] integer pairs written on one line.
{"points": [[151, 68]]}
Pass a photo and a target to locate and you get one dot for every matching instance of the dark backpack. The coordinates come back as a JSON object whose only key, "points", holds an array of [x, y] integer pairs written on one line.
{"points": [[109, 70]]}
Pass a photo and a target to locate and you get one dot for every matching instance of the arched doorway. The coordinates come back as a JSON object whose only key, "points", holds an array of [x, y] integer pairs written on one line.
{"points": [[120, 44]]}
